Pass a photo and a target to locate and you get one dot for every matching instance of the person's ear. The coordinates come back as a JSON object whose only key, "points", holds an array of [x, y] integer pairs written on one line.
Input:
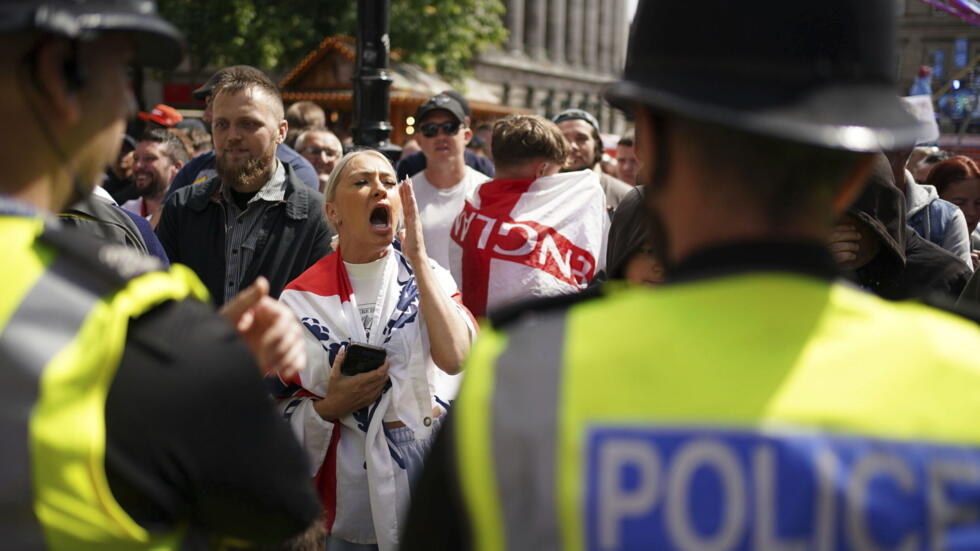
{"points": [[283, 128], [175, 168], [546, 168], [849, 190], [332, 216], [57, 78]]}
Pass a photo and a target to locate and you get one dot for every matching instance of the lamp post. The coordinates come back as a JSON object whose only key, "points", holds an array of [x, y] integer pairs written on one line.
{"points": [[372, 82]]}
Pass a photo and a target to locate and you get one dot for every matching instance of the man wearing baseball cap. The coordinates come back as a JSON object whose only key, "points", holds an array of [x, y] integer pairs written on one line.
{"points": [[202, 168], [442, 187], [413, 162], [752, 402], [111, 434], [581, 129]]}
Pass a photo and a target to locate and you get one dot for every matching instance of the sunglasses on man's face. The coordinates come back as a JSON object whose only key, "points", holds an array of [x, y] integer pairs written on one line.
{"points": [[431, 129]]}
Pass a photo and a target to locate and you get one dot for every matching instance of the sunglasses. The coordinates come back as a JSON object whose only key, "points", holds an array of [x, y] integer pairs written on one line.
{"points": [[431, 129]]}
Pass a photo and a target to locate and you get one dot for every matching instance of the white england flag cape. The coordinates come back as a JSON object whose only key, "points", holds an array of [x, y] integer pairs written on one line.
{"points": [[517, 239], [362, 480]]}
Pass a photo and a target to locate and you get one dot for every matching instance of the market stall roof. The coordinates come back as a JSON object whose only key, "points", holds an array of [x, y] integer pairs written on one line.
{"points": [[967, 10], [324, 76]]}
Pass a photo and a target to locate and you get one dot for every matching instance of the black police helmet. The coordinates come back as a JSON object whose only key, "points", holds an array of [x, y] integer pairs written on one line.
{"points": [[158, 43], [820, 73]]}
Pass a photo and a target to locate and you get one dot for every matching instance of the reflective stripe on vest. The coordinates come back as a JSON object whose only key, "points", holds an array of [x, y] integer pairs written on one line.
{"points": [[61, 343], [18, 524], [754, 412]]}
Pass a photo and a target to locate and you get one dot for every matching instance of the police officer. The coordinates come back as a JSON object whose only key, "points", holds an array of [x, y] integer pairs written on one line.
{"points": [[754, 402], [132, 416]]}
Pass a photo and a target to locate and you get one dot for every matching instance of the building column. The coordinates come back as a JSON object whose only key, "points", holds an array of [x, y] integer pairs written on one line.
{"points": [[530, 98], [558, 26], [574, 34], [537, 25], [606, 15], [621, 24], [514, 21], [590, 52]]}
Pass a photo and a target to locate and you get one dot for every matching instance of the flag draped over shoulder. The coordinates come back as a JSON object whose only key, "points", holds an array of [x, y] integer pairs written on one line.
{"points": [[518, 239], [358, 471]]}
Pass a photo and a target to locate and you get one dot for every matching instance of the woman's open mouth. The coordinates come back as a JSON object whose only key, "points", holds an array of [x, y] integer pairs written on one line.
{"points": [[380, 218]]}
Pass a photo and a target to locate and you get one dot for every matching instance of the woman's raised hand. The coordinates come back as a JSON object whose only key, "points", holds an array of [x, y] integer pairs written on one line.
{"points": [[413, 244]]}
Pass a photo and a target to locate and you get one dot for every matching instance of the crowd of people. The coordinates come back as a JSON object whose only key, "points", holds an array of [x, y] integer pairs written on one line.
{"points": [[240, 332]]}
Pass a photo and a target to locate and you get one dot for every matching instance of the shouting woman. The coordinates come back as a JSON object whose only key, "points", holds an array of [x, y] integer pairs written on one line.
{"points": [[366, 433]]}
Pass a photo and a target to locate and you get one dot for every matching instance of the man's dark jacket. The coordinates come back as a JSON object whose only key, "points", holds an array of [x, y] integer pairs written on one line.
{"points": [[294, 235]]}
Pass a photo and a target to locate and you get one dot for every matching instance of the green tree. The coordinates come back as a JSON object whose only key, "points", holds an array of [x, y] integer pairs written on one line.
{"points": [[440, 35]]}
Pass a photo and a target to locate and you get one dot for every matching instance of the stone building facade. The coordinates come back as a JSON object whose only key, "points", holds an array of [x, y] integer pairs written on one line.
{"points": [[560, 55]]}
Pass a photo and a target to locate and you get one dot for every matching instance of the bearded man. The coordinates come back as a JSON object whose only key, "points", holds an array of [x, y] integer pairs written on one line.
{"points": [[256, 217], [158, 157]]}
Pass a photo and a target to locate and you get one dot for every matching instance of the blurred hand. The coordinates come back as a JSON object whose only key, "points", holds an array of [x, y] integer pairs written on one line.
{"points": [[347, 394], [413, 244], [269, 329], [844, 243], [975, 257]]}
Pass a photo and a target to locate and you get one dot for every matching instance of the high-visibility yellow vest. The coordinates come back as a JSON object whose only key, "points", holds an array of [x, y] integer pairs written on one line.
{"points": [[65, 307], [764, 411]]}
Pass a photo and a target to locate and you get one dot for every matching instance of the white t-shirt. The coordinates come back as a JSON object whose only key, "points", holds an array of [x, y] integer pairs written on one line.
{"points": [[438, 208], [366, 281]]}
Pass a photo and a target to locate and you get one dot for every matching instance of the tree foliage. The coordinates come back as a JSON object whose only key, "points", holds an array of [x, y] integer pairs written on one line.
{"points": [[440, 35]]}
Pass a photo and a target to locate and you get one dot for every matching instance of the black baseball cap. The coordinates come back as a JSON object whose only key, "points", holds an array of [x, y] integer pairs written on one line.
{"points": [[443, 102], [462, 101], [576, 114]]}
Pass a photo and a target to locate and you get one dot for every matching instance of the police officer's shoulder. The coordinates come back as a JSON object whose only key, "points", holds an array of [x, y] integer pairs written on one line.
{"points": [[508, 315], [100, 266], [966, 309]]}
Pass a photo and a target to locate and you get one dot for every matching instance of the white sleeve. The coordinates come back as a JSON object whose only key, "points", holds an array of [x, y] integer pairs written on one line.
{"points": [[312, 432], [957, 239], [314, 378]]}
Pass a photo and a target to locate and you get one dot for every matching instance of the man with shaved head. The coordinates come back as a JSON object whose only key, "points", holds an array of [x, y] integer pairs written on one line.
{"points": [[255, 217]]}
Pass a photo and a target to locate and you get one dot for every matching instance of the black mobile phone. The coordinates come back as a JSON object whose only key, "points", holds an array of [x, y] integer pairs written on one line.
{"points": [[362, 358]]}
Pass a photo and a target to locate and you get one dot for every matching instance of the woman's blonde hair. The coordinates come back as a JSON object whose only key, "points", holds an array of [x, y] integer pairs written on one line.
{"points": [[330, 190]]}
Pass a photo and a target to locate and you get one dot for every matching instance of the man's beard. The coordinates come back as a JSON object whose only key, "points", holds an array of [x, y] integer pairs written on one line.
{"points": [[246, 176], [156, 187], [570, 168]]}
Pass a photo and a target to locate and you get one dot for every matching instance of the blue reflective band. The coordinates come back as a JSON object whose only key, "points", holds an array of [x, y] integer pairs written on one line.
{"points": [[721, 490], [12, 207]]}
